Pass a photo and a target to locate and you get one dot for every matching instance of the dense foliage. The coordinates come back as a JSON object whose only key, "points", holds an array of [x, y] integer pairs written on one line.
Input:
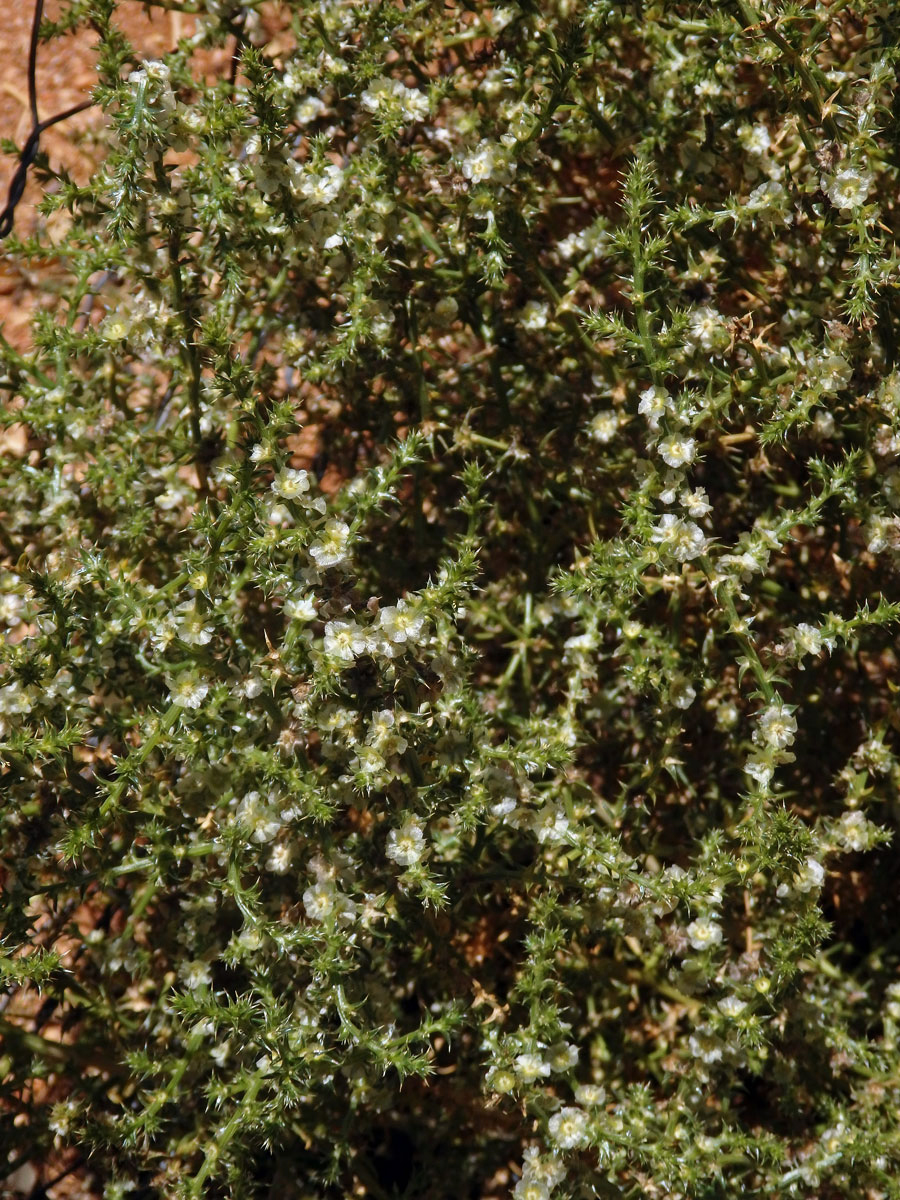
{"points": [[448, 715]]}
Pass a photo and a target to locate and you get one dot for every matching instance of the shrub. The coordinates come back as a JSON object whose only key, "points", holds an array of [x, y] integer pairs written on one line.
{"points": [[449, 684]]}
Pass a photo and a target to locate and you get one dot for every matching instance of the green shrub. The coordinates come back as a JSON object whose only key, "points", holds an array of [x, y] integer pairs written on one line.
{"points": [[449, 680]]}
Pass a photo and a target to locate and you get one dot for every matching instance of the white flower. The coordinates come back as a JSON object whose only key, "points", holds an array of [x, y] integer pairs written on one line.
{"points": [[502, 1080], [406, 845], [529, 1188], [280, 859], [682, 693], [488, 161], [530, 1067], [290, 484], [882, 533], [759, 770], [704, 1044], [258, 817], [591, 1095], [191, 626], [852, 831], [568, 1128], [534, 316], [654, 402], [195, 974], [833, 1139], [707, 330], [770, 194], [695, 502], [731, 1006], [189, 690], [368, 760], [808, 639], [562, 1057], [847, 189], [391, 97], [300, 607], [604, 426], [331, 546], [344, 640], [682, 539], [755, 138], [319, 187], [401, 622], [677, 451], [11, 605], [831, 372], [704, 933], [308, 109], [777, 727], [810, 877], [323, 902]]}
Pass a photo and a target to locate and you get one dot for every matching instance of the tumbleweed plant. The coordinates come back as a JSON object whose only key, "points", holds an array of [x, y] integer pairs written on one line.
{"points": [[450, 531]]}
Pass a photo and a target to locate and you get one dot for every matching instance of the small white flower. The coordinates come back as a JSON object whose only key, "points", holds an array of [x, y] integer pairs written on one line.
{"points": [[344, 640], [280, 859], [682, 693], [777, 727], [682, 539], [391, 97], [534, 316], [731, 1006], [591, 1095], [831, 372], [189, 690], [755, 138], [604, 426], [704, 1044], [808, 639], [324, 902], [401, 622], [810, 877], [562, 1057], [529, 1188], [321, 188], [331, 546], [195, 975], [852, 831], [369, 761], [569, 1127], [308, 109], [760, 770], [654, 403], [191, 625], [488, 161], [704, 933], [530, 1067], [290, 484], [407, 844], [258, 817], [848, 188], [707, 331], [300, 607], [833, 1139], [770, 194], [695, 503], [11, 605], [677, 451]]}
